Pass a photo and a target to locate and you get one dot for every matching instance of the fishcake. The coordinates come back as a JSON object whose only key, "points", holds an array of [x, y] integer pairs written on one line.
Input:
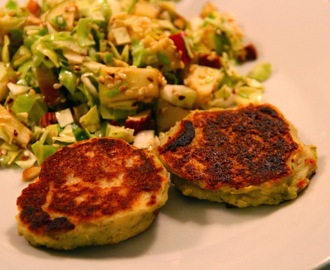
{"points": [[95, 192], [244, 156]]}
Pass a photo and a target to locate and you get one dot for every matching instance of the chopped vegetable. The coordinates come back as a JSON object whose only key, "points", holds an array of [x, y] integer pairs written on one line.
{"points": [[78, 69], [64, 117], [261, 71], [204, 80], [12, 131]]}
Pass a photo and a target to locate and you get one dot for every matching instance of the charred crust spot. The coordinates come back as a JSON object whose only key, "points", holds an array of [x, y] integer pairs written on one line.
{"points": [[184, 137], [59, 224], [31, 201], [150, 79], [86, 181], [235, 148]]}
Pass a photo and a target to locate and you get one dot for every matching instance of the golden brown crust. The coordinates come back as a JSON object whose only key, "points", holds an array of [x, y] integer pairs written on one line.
{"points": [[86, 181], [235, 148]]}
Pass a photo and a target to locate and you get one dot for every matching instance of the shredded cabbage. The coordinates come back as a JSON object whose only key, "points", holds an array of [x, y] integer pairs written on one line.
{"points": [[78, 69]]}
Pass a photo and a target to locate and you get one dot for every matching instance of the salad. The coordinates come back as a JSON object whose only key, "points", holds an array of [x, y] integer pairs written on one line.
{"points": [[78, 69]]}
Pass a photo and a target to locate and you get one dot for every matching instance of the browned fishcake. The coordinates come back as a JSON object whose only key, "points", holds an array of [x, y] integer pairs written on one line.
{"points": [[244, 156], [95, 192]]}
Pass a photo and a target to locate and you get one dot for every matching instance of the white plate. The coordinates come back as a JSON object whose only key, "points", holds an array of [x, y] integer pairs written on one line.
{"points": [[189, 234]]}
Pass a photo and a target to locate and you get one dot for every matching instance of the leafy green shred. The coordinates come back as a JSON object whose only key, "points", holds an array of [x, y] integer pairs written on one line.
{"points": [[41, 151], [261, 71], [81, 69]]}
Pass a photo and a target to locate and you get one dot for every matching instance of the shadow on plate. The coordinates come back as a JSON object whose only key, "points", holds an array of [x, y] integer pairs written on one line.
{"points": [[186, 209]]}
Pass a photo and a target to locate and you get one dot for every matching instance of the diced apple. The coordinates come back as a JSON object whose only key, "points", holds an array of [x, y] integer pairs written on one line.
{"points": [[167, 115], [121, 36], [61, 16], [144, 8], [144, 139], [129, 83], [139, 122], [64, 117], [204, 80], [12, 130], [179, 95]]}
